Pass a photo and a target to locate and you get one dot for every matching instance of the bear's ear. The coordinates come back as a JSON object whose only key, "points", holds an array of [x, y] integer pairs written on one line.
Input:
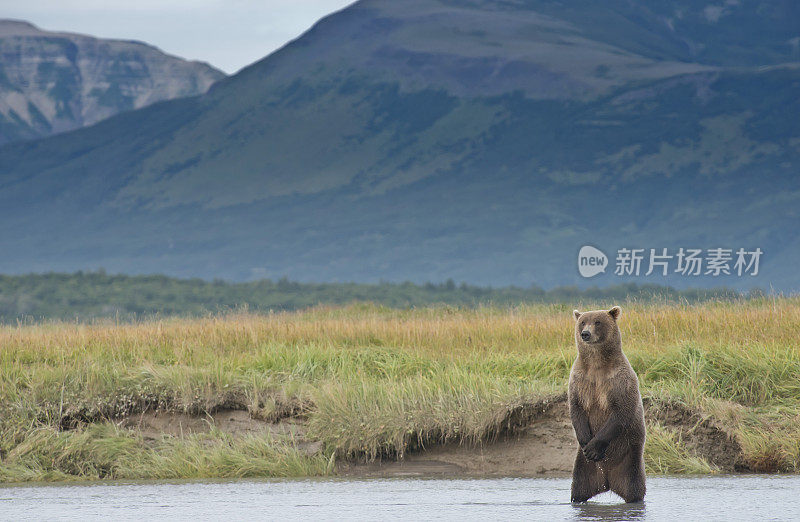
{"points": [[576, 313], [614, 312]]}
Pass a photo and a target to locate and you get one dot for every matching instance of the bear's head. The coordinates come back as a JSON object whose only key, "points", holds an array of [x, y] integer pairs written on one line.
{"points": [[597, 330]]}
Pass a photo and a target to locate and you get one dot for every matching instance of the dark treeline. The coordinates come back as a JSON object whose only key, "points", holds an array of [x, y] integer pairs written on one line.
{"points": [[87, 295]]}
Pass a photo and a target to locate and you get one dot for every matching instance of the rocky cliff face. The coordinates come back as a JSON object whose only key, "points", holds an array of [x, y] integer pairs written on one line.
{"points": [[54, 82]]}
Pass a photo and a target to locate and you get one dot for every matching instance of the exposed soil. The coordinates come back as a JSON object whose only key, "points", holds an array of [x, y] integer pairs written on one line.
{"points": [[536, 440], [700, 434], [155, 425]]}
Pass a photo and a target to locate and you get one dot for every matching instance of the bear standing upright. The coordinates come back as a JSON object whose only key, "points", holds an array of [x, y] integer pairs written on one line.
{"points": [[605, 407]]}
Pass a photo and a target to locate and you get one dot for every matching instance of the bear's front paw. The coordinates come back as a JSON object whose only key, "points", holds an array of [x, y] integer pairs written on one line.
{"points": [[595, 450]]}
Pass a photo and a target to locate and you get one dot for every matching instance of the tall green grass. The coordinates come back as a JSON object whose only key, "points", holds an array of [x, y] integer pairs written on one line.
{"points": [[667, 454], [371, 418], [103, 451]]}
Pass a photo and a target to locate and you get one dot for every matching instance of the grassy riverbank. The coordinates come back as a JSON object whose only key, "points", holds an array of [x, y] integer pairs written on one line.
{"points": [[374, 382]]}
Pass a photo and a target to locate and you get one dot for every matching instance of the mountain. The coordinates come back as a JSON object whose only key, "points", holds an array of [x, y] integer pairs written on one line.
{"points": [[54, 82], [485, 141]]}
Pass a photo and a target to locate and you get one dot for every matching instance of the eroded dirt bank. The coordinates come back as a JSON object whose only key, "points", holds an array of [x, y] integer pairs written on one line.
{"points": [[537, 440], [540, 442]]}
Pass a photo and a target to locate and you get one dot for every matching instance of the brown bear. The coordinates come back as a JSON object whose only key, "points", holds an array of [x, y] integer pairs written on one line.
{"points": [[605, 407]]}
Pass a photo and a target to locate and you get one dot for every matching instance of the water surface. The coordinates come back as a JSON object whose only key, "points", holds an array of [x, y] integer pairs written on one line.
{"points": [[702, 498]]}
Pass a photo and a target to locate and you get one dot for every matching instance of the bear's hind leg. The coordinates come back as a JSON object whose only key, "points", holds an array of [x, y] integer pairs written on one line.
{"points": [[627, 480], [587, 479]]}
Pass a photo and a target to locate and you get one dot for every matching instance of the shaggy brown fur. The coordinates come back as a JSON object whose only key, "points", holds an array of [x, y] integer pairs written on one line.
{"points": [[606, 411]]}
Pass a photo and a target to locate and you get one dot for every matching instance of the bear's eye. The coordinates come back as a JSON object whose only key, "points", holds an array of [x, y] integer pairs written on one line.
{"points": [[597, 323], [582, 325]]}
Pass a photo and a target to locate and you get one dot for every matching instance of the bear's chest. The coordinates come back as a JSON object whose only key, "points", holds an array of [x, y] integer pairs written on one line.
{"points": [[594, 390]]}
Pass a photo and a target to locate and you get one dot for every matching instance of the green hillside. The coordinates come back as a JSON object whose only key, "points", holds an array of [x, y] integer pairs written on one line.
{"points": [[481, 141]]}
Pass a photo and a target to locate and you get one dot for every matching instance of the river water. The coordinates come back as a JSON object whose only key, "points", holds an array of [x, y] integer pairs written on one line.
{"points": [[668, 498]]}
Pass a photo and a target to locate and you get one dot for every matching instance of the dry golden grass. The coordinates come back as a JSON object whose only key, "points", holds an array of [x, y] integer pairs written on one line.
{"points": [[435, 331]]}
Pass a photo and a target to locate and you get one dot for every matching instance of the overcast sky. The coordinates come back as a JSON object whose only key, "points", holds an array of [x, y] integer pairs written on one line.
{"points": [[228, 34]]}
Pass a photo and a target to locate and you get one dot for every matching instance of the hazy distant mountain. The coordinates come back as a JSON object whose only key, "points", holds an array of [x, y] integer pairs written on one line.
{"points": [[483, 141], [53, 82]]}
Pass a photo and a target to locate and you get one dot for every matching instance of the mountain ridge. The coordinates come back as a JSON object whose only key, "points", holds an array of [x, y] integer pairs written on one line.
{"points": [[51, 82], [19, 27]]}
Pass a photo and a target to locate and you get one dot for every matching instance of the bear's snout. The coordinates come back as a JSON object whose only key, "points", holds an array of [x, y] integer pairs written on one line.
{"points": [[585, 335]]}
